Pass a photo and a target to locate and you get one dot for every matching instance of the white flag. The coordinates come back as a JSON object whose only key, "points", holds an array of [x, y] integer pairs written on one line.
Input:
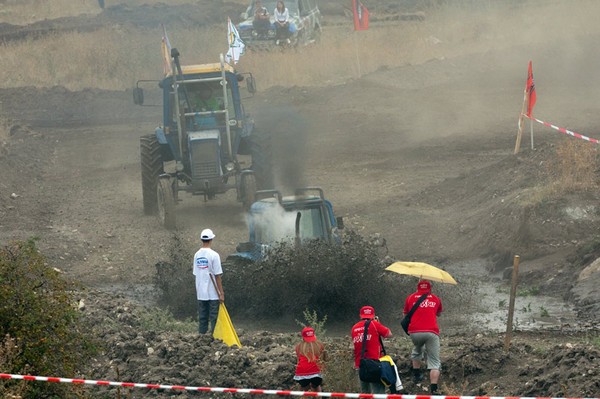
{"points": [[236, 45], [166, 52]]}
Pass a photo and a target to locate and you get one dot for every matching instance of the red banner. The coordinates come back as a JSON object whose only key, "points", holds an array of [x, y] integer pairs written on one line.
{"points": [[361, 15]]}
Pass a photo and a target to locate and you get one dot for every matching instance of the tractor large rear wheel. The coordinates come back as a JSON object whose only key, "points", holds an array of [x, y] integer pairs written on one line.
{"points": [[166, 202], [152, 168], [262, 159]]}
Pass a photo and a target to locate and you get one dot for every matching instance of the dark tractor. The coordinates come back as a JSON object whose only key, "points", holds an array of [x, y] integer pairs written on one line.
{"points": [[203, 139], [301, 217]]}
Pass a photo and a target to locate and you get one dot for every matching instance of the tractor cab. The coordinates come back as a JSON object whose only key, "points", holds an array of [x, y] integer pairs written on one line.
{"points": [[297, 218]]}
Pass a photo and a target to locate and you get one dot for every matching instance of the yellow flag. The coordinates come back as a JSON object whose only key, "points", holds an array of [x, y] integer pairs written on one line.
{"points": [[224, 328]]}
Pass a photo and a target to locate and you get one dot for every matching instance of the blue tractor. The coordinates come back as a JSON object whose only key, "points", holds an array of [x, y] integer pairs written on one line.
{"points": [[273, 218], [204, 137]]}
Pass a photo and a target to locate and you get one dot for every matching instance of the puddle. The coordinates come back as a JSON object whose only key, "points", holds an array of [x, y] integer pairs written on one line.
{"points": [[488, 310]]}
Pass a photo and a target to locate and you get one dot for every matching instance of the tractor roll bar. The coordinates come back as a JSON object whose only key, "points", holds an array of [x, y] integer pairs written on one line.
{"points": [[262, 194], [305, 190], [226, 104], [200, 80]]}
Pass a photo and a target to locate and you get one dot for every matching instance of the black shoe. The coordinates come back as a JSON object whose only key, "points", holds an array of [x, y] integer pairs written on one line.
{"points": [[417, 377]]}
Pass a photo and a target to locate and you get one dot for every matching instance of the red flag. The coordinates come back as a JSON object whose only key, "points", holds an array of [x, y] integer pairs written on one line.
{"points": [[361, 15], [530, 90]]}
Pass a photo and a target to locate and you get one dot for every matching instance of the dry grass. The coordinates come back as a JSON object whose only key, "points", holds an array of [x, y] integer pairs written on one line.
{"points": [[575, 166], [22, 12], [113, 58], [342, 54], [72, 60], [574, 169]]}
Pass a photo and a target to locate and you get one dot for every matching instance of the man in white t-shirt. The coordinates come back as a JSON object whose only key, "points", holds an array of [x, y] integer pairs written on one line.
{"points": [[209, 289]]}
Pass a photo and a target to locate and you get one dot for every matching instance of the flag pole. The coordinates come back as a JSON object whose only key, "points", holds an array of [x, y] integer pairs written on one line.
{"points": [[520, 131], [531, 131]]}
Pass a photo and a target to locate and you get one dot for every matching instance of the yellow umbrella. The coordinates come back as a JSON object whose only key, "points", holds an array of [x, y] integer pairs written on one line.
{"points": [[422, 270]]}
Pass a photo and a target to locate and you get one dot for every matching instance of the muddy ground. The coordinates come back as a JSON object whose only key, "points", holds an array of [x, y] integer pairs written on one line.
{"points": [[421, 155]]}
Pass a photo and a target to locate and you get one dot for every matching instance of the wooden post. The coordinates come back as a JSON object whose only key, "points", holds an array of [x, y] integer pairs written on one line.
{"points": [[511, 304]]}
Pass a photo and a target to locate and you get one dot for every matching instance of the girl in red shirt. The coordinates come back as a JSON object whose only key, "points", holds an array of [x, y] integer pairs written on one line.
{"points": [[310, 353]]}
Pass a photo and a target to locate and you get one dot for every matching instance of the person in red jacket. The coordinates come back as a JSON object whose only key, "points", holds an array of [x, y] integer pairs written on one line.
{"points": [[425, 333], [310, 353], [373, 347]]}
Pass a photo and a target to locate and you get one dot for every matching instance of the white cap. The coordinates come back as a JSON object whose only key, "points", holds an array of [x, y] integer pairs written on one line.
{"points": [[207, 234]]}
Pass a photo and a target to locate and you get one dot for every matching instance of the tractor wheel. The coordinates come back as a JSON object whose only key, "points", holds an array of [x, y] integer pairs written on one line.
{"points": [[166, 202], [262, 159], [248, 190], [152, 167]]}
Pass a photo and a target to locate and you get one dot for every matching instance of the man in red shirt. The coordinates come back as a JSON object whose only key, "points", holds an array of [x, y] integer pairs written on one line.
{"points": [[372, 348], [425, 333]]}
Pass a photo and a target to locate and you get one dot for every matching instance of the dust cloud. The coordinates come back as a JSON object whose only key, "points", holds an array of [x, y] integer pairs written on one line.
{"points": [[279, 223], [288, 130], [491, 45]]}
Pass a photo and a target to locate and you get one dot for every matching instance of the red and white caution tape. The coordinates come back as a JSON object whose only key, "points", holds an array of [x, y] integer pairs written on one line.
{"points": [[563, 130], [254, 391]]}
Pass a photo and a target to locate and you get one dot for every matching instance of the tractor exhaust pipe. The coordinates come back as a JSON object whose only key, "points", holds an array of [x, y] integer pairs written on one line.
{"points": [[206, 186]]}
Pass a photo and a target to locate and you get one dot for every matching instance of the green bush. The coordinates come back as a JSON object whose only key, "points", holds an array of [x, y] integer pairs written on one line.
{"points": [[311, 319], [39, 322]]}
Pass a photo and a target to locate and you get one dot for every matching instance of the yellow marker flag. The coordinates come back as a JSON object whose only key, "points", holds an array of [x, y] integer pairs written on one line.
{"points": [[224, 328]]}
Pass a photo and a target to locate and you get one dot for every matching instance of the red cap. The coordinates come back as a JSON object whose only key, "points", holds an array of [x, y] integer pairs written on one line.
{"points": [[367, 312], [424, 286], [308, 334]]}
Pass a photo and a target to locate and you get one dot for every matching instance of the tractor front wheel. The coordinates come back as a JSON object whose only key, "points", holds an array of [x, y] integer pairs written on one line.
{"points": [[166, 202]]}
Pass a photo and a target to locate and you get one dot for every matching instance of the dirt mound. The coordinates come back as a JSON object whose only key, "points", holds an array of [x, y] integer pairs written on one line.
{"points": [[59, 107], [549, 368], [506, 195], [21, 154], [556, 364]]}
